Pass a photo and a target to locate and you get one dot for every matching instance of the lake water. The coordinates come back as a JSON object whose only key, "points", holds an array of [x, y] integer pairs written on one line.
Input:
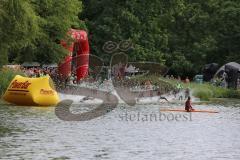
{"points": [[125, 133]]}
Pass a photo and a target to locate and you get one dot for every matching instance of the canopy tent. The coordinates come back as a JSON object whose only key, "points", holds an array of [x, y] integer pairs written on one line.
{"points": [[209, 71], [132, 69], [14, 67], [30, 64], [230, 73], [54, 65], [222, 69]]}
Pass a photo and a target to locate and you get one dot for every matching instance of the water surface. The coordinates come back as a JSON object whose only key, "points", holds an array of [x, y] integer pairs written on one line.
{"points": [[36, 133]]}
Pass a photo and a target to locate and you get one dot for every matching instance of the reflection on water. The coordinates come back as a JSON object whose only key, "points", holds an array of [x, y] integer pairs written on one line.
{"points": [[36, 133]]}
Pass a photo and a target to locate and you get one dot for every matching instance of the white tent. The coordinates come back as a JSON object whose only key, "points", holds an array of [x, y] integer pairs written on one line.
{"points": [[31, 64], [222, 69], [53, 65], [131, 69]]}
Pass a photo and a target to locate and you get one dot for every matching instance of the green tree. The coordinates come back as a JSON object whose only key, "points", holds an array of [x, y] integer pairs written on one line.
{"points": [[185, 34], [56, 18], [18, 26], [127, 20], [205, 32], [228, 37], [31, 30]]}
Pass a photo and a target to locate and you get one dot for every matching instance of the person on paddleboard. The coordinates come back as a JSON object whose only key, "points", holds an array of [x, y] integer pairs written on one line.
{"points": [[188, 105]]}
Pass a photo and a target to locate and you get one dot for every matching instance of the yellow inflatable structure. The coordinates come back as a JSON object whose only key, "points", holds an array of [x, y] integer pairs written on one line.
{"points": [[31, 92]]}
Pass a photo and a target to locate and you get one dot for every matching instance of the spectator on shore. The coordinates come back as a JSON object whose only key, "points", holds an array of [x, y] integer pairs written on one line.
{"points": [[238, 83], [224, 78], [179, 89], [148, 86], [59, 79], [187, 80], [187, 93], [179, 79]]}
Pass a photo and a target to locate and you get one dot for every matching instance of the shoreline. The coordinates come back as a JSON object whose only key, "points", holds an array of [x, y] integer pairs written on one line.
{"points": [[205, 91]]}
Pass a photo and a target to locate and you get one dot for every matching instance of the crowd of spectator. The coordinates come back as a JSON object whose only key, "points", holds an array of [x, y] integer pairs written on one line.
{"points": [[59, 79], [178, 78], [34, 72]]}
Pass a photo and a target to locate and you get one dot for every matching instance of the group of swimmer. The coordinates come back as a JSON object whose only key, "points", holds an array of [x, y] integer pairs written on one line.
{"points": [[148, 86]]}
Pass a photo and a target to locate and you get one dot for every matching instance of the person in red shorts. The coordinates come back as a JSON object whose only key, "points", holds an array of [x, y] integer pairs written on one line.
{"points": [[188, 105]]}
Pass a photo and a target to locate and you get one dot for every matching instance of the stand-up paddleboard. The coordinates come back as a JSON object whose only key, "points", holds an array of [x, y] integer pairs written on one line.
{"points": [[182, 110]]}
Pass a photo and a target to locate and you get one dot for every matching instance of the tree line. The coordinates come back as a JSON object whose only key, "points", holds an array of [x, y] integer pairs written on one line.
{"points": [[30, 30], [182, 34]]}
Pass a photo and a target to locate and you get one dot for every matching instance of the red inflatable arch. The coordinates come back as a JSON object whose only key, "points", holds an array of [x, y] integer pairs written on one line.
{"points": [[78, 58]]}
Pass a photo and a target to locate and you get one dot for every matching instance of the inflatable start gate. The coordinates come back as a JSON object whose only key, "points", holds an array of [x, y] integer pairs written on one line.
{"points": [[78, 58], [31, 92]]}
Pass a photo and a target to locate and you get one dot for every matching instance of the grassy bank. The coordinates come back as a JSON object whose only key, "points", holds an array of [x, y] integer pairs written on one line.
{"points": [[6, 75], [161, 84], [206, 91]]}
